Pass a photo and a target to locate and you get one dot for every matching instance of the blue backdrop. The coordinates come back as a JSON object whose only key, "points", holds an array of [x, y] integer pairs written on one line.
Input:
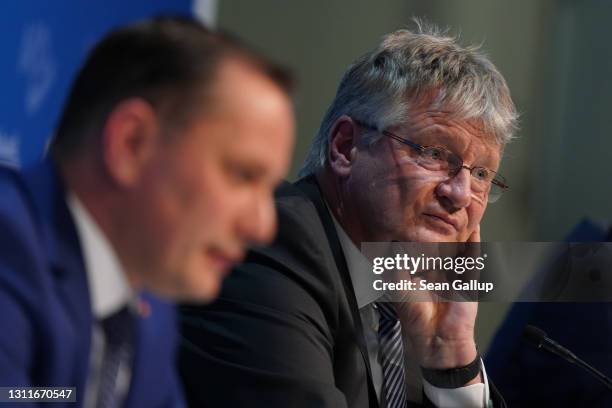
{"points": [[42, 44]]}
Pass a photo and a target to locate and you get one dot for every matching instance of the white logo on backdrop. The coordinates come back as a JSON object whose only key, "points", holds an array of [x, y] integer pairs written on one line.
{"points": [[205, 11], [37, 62], [9, 149]]}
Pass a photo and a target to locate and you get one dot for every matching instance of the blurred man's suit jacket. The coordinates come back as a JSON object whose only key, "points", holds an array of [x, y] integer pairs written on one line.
{"points": [[46, 314], [286, 330]]}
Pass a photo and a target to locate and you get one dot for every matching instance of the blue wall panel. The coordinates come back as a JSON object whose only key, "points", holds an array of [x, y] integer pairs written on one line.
{"points": [[42, 44]]}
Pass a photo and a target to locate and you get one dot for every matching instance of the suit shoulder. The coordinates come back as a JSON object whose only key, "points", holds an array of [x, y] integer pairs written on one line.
{"points": [[298, 219], [298, 269], [26, 273], [24, 280], [301, 242], [16, 208], [294, 202]]}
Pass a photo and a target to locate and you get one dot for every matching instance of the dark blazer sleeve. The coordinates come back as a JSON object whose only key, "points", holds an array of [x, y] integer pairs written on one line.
{"points": [[15, 335], [18, 273], [267, 338]]}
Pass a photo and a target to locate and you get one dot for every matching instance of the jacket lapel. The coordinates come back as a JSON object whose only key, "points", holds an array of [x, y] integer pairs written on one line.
{"points": [[310, 187], [60, 241]]}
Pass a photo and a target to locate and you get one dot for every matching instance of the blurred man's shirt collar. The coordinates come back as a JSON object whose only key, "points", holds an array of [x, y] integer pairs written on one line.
{"points": [[109, 288]]}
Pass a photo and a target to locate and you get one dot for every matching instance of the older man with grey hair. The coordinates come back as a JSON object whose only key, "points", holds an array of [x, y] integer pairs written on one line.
{"points": [[408, 151]]}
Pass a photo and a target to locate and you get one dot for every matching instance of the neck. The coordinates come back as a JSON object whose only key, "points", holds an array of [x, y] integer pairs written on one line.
{"points": [[96, 195], [335, 195]]}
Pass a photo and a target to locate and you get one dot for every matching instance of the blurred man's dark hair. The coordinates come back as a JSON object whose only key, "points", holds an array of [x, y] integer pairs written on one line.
{"points": [[169, 61]]}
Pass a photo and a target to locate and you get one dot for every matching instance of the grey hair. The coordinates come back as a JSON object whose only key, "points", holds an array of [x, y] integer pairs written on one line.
{"points": [[378, 87]]}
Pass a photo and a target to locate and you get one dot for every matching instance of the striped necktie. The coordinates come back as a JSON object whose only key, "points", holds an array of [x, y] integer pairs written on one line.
{"points": [[119, 333], [392, 356]]}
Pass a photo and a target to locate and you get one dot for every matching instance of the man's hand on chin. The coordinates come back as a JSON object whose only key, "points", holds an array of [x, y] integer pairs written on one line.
{"points": [[441, 332]]}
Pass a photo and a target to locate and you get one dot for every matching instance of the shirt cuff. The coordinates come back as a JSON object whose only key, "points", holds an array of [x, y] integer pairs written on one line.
{"points": [[475, 395]]}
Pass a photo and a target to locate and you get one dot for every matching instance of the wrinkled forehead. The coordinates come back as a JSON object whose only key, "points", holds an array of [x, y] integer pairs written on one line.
{"points": [[427, 119], [434, 102]]}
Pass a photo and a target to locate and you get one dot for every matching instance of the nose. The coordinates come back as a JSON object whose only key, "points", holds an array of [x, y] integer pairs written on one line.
{"points": [[258, 223], [456, 190]]}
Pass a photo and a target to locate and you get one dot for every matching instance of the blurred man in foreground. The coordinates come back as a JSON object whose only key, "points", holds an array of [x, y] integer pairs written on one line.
{"points": [[161, 174], [408, 151]]}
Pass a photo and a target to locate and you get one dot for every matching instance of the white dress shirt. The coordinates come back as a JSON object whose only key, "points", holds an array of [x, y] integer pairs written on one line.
{"points": [[109, 292], [475, 395]]}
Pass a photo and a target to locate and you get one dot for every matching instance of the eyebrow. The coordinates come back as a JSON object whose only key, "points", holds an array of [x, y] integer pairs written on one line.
{"points": [[448, 141], [442, 139]]}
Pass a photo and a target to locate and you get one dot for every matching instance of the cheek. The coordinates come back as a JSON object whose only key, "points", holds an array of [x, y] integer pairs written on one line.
{"points": [[205, 190], [475, 213], [219, 206], [182, 212], [210, 204], [416, 191], [161, 206], [415, 184], [395, 203]]}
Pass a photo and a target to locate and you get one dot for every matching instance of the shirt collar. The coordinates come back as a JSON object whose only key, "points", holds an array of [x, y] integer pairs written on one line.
{"points": [[110, 291], [358, 266]]}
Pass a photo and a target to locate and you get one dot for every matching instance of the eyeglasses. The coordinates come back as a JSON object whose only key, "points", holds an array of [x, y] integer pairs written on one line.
{"points": [[439, 159]]}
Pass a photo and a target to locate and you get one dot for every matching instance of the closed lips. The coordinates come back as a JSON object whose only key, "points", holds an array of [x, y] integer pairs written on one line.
{"points": [[446, 219]]}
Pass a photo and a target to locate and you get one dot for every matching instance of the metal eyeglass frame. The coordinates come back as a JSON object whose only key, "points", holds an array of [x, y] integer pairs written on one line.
{"points": [[454, 166]]}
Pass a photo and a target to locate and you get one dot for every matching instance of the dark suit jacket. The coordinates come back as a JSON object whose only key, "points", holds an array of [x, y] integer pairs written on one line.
{"points": [[46, 317], [286, 330]]}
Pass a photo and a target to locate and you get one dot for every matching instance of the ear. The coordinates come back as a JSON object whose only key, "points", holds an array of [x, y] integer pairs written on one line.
{"points": [[343, 146], [129, 140]]}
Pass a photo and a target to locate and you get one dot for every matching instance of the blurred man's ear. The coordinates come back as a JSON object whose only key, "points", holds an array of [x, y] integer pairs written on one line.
{"points": [[129, 140], [343, 146]]}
